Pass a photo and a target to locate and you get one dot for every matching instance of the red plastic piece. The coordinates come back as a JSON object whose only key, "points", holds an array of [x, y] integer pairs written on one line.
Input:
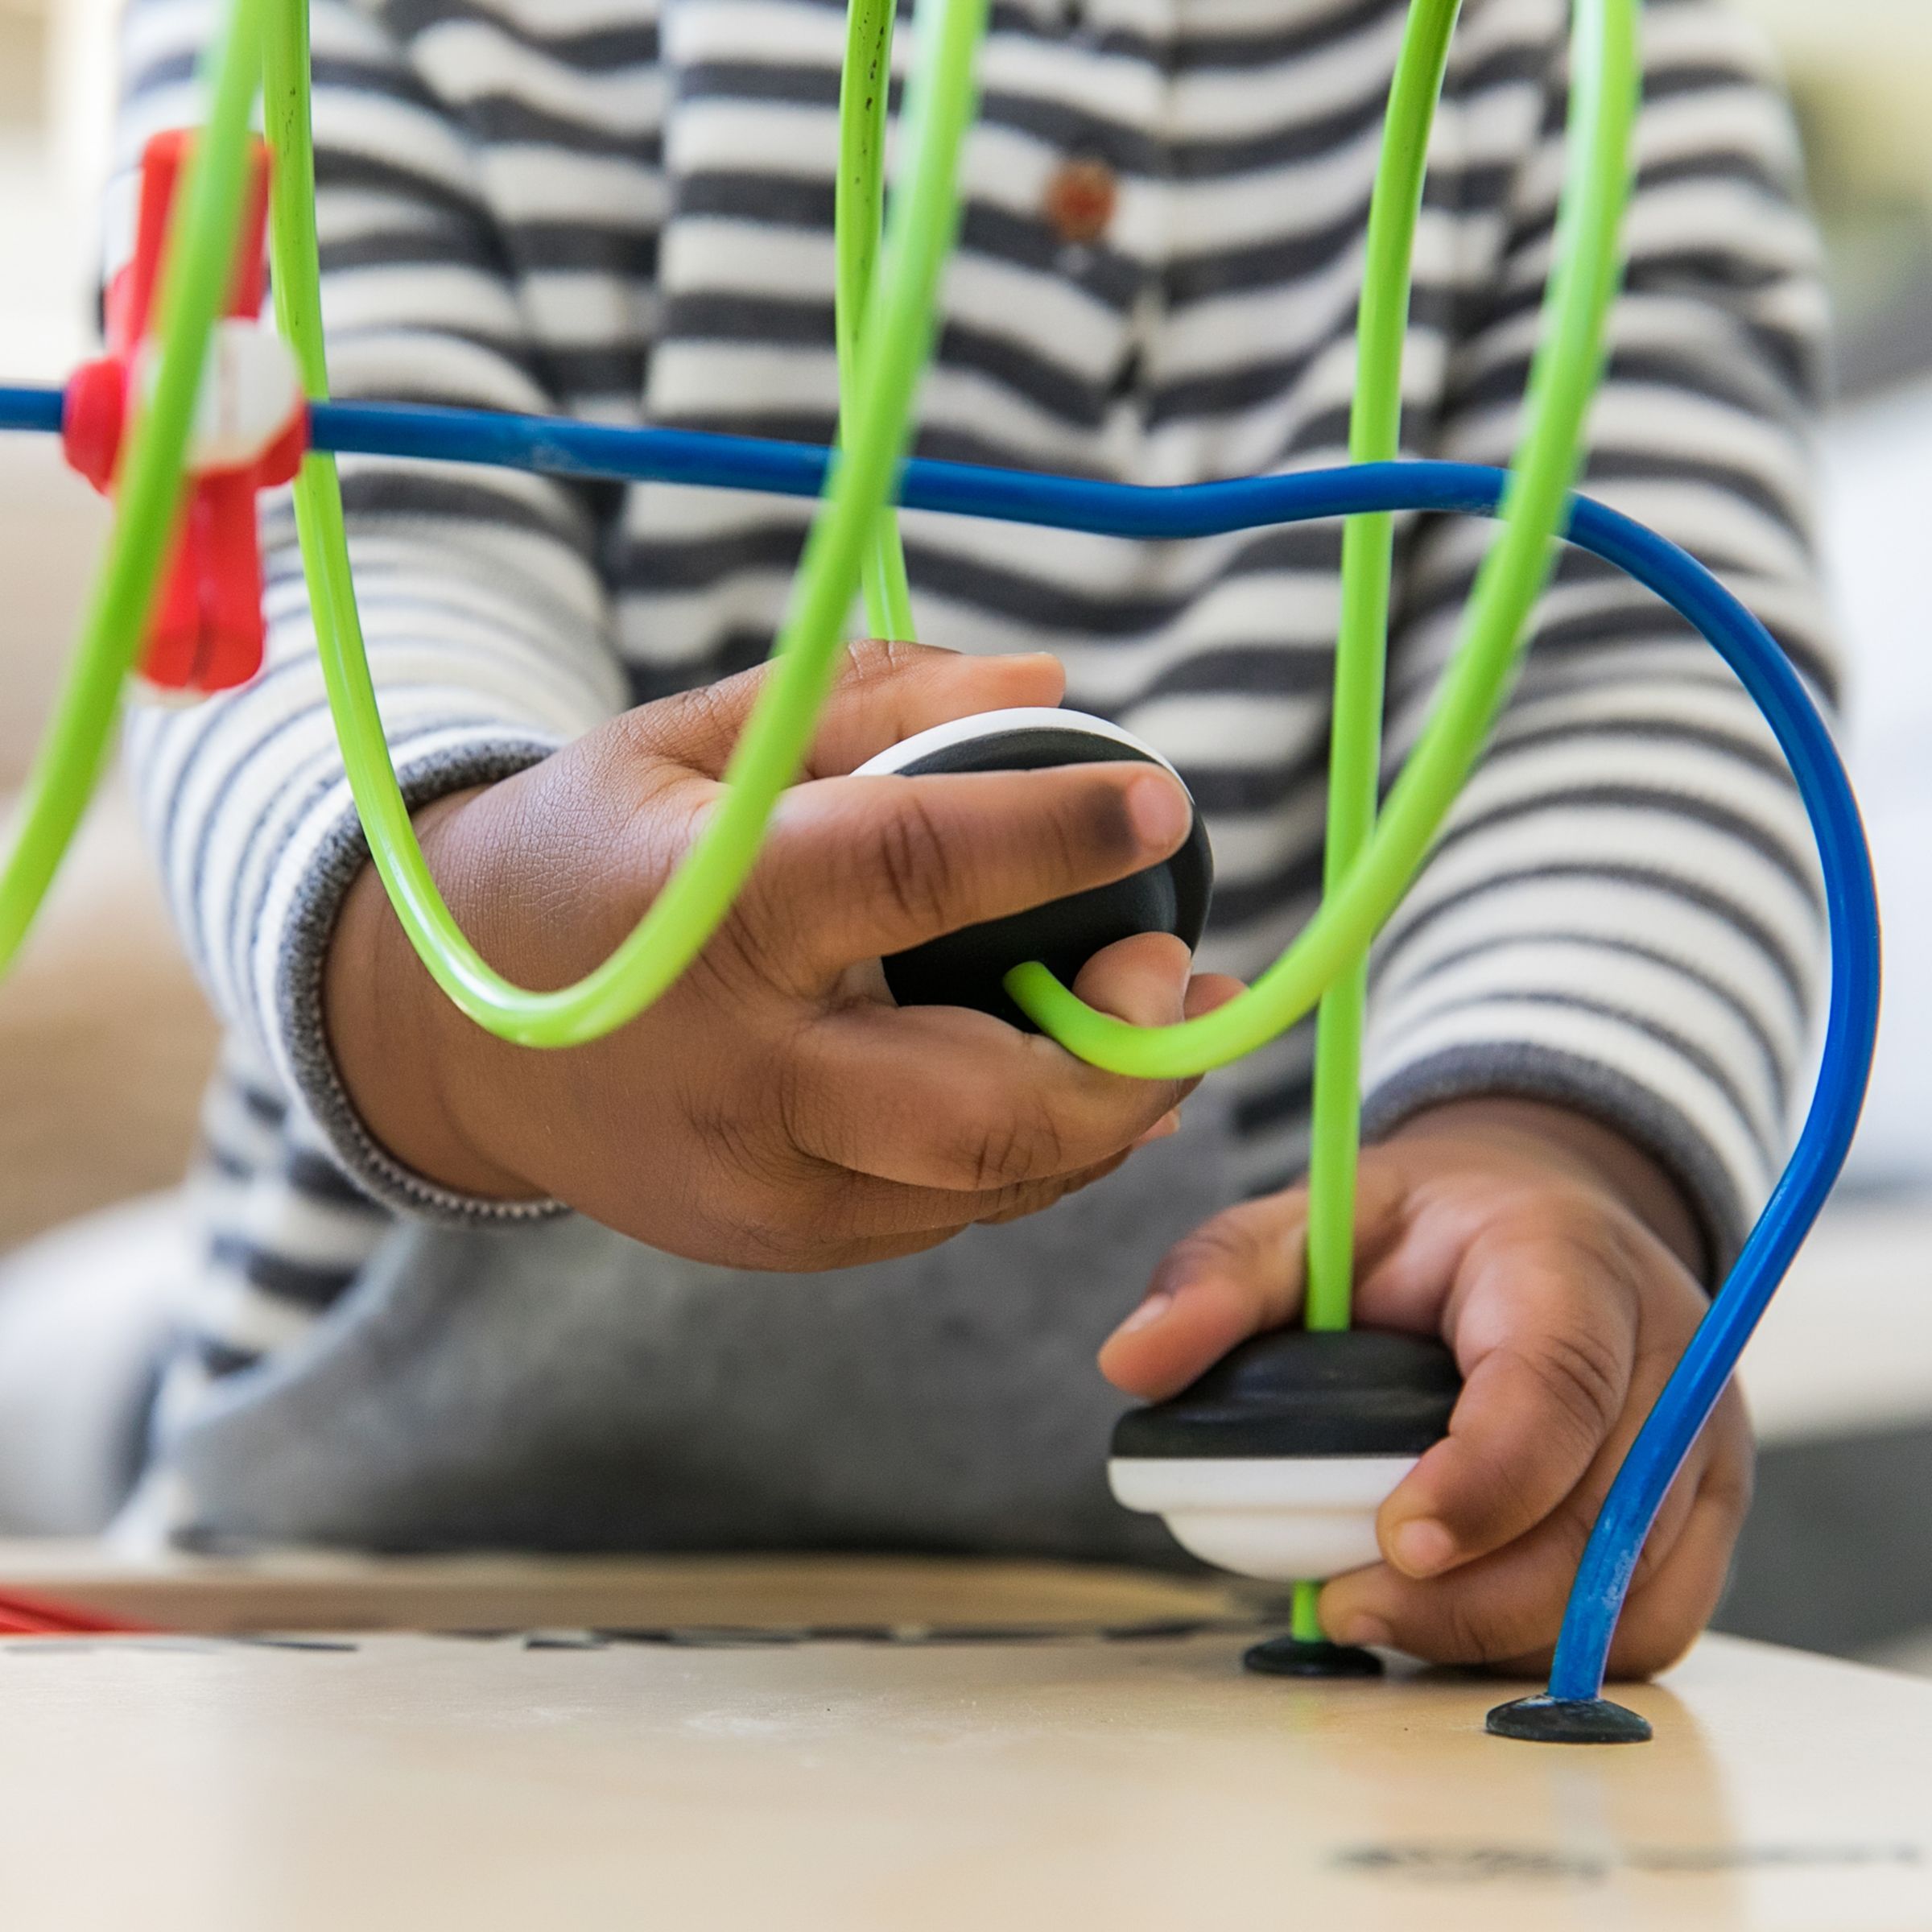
{"points": [[206, 631], [25, 1615]]}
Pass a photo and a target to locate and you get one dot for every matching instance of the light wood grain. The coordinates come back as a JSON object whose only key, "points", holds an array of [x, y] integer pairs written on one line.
{"points": [[198, 1784], [315, 1590]]}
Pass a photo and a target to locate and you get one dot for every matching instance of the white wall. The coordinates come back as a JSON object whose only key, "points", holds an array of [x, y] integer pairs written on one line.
{"points": [[1877, 536]]}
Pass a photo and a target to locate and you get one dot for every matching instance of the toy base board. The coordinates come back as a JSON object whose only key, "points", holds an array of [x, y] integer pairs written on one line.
{"points": [[196, 1784], [323, 1590]]}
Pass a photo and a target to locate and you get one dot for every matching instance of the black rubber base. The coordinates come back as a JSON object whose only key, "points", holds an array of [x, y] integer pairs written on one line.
{"points": [[1289, 1656], [1290, 1393], [966, 967], [1568, 1720]]}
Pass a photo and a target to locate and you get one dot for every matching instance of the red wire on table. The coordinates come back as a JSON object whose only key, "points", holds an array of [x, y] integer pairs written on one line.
{"points": [[23, 1614]]}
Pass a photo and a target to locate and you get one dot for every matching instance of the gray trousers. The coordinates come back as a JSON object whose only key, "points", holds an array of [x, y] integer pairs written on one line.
{"points": [[561, 1388]]}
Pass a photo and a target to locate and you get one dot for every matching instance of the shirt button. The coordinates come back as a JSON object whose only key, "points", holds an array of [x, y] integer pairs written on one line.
{"points": [[1080, 199]]}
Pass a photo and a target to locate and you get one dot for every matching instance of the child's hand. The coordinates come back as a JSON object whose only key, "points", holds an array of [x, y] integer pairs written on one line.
{"points": [[774, 1108], [1552, 1258]]}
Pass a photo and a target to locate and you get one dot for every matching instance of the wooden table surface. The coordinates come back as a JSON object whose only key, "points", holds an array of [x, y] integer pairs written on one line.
{"points": [[956, 1748]]}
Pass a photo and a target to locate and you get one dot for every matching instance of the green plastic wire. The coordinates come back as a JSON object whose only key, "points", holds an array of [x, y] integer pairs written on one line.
{"points": [[196, 274], [1305, 1614], [1360, 658], [940, 107], [858, 205], [851, 537], [1362, 645], [1603, 99]]}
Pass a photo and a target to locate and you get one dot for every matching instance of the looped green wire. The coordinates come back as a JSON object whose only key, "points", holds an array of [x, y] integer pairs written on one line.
{"points": [[851, 537], [195, 279], [1603, 99], [893, 344], [858, 202]]}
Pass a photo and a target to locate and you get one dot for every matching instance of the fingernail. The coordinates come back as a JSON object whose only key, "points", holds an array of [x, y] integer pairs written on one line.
{"points": [[1169, 1123], [1149, 1311], [1365, 1633], [1159, 812], [1421, 1547]]}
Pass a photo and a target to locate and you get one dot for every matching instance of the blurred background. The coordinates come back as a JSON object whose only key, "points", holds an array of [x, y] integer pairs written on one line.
{"points": [[104, 1041]]}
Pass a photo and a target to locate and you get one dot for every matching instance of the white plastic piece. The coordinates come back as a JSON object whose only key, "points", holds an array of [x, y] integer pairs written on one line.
{"points": [[1283, 1519], [251, 393], [164, 697], [988, 724]]}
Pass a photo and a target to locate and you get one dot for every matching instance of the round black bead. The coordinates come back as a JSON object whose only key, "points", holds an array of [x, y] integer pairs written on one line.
{"points": [[1291, 1392], [968, 968], [1291, 1656], [1567, 1720]]}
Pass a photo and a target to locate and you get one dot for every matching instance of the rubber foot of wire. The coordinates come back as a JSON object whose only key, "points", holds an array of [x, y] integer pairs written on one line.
{"points": [[1291, 1656], [1568, 1720]]}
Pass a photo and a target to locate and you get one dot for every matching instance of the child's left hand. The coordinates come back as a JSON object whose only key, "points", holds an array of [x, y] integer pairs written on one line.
{"points": [[1556, 1261]]}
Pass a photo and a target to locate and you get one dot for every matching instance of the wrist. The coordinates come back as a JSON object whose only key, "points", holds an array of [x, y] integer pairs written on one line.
{"points": [[1579, 1146], [402, 1050]]}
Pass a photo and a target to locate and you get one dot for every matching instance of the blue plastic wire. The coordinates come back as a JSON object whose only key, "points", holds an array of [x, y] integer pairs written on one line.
{"points": [[22, 406], [566, 448]]}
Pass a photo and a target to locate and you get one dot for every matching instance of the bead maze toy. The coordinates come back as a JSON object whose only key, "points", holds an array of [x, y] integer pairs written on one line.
{"points": [[198, 406]]}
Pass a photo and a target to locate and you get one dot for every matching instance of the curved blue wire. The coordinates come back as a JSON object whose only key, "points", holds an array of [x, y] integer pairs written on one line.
{"points": [[1603, 1577]]}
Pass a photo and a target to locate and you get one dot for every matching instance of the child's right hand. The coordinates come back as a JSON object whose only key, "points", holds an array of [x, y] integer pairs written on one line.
{"points": [[774, 1108]]}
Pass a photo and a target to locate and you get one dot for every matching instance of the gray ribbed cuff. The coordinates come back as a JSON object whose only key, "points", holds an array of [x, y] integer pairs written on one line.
{"points": [[1498, 1070], [303, 1041]]}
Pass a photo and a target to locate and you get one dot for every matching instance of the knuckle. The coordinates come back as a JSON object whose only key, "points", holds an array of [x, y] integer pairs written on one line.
{"points": [[1015, 1202], [742, 1139], [798, 1104], [1489, 1629], [708, 710], [1214, 1249], [760, 937], [1242, 1243], [876, 660], [912, 864], [1651, 1640], [704, 717], [1014, 1147], [1464, 1635], [1580, 1372], [1090, 831]]}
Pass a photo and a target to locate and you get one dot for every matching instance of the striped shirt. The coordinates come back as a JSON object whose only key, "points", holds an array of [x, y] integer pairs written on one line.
{"points": [[621, 210]]}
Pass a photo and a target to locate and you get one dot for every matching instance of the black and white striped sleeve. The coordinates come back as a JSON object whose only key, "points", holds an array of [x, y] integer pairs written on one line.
{"points": [[1622, 914], [487, 624]]}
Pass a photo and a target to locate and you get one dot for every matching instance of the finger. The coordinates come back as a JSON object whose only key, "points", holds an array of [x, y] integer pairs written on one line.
{"points": [[1048, 1193], [1142, 980], [1506, 1606], [890, 692], [1154, 966], [869, 1219], [1680, 1573], [935, 1096], [1208, 990], [858, 869], [885, 692], [1547, 1375], [1232, 1276], [1666, 1611]]}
